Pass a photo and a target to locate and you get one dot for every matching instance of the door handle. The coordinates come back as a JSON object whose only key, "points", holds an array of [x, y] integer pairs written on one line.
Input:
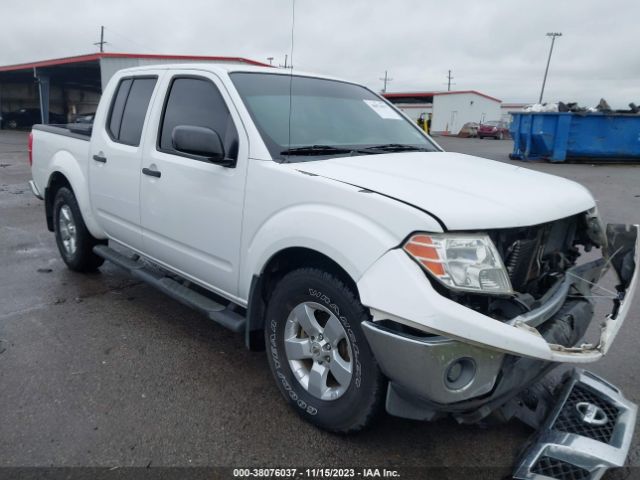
{"points": [[100, 158], [152, 173]]}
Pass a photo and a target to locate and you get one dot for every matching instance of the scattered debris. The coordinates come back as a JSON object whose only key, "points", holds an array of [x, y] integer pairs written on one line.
{"points": [[59, 301], [44, 270]]}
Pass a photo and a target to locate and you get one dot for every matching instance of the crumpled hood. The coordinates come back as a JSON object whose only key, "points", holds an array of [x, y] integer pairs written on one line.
{"points": [[463, 191]]}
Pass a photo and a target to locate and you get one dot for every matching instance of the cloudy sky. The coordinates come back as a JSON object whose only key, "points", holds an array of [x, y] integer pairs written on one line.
{"points": [[498, 46]]}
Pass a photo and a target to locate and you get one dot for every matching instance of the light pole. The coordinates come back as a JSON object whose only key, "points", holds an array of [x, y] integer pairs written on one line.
{"points": [[553, 36]]}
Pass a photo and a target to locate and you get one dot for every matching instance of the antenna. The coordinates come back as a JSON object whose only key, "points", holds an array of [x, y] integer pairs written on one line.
{"points": [[386, 80], [102, 41], [293, 24]]}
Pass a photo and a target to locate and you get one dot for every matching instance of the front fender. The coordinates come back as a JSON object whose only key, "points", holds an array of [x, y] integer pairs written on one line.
{"points": [[350, 239]]}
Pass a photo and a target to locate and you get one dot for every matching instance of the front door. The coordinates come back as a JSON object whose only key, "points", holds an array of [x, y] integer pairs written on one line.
{"points": [[191, 208]]}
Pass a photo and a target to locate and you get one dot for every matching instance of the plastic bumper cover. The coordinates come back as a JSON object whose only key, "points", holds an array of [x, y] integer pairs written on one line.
{"points": [[424, 366], [395, 288]]}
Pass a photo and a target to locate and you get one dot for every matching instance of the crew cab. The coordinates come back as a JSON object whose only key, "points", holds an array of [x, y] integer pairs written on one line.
{"points": [[377, 270]]}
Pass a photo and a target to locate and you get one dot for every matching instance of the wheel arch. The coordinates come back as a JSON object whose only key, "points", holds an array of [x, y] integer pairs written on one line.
{"points": [[278, 265], [57, 180]]}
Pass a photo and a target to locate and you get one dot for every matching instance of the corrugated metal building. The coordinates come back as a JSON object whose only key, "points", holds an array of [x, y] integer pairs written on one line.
{"points": [[507, 108], [450, 110], [67, 87]]}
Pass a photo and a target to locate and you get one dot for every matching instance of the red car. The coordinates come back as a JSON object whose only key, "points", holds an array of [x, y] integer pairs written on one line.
{"points": [[495, 129]]}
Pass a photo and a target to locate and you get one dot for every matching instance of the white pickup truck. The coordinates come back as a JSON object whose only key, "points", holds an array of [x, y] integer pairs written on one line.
{"points": [[378, 270]]}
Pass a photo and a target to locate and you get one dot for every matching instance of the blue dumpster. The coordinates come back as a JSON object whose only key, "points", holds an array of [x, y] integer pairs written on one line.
{"points": [[590, 136]]}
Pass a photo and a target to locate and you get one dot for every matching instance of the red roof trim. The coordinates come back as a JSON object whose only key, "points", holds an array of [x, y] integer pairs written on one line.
{"points": [[97, 56], [409, 94], [433, 94]]}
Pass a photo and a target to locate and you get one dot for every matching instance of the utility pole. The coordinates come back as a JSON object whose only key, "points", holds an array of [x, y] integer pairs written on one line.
{"points": [[286, 58], [553, 36], [449, 78], [270, 60], [102, 43], [386, 80]]}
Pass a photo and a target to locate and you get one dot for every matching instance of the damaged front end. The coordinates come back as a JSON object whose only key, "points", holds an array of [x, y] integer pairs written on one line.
{"points": [[472, 356]]}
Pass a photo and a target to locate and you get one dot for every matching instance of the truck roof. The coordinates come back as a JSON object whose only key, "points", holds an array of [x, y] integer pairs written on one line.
{"points": [[226, 68]]}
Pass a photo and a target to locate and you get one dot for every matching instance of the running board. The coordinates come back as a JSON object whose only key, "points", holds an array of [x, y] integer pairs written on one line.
{"points": [[589, 430], [221, 314]]}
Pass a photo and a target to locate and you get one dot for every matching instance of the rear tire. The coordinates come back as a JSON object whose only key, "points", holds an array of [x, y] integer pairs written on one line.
{"points": [[74, 241], [318, 353]]}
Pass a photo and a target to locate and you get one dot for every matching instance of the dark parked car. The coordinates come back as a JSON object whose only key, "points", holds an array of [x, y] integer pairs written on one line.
{"points": [[494, 129], [26, 117]]}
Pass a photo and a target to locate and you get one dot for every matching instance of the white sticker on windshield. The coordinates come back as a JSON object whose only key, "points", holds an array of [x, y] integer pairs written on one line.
{"points": [[382, 109]]}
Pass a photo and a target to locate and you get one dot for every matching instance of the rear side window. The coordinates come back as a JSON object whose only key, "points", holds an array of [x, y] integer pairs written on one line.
{"points": [[118, 107], [129, 109], [197, 102]]}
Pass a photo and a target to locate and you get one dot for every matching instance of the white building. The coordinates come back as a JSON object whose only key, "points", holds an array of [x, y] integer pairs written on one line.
{"points": [[506, 108], [450, 110]]}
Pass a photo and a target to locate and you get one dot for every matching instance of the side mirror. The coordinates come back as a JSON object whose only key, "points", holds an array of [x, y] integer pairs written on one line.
{"points": [[201, 142]]}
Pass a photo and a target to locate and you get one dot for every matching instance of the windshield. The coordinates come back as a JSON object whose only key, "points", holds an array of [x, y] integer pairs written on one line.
{"points": [[328, 118]]}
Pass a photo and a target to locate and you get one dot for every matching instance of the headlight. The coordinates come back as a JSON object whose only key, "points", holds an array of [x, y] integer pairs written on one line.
{"points": [[466, 262]]}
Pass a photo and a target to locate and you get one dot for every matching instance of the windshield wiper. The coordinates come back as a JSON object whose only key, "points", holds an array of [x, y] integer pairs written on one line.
{"points": [[316, 150], [394, 147]]}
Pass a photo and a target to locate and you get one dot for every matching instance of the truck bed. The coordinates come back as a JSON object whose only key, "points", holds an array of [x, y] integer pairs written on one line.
{"points": [[63, 149]]}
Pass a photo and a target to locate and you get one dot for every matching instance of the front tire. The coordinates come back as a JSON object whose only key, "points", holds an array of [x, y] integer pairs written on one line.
{"points": [[74, 241], [318, 353]]}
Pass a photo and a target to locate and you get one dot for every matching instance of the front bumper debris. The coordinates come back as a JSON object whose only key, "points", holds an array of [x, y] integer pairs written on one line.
{"points": [[589, 430], [413, 302]]}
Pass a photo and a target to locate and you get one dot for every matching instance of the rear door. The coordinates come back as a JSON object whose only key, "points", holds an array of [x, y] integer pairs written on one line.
{"points": [[115, 158], [191, 209]]}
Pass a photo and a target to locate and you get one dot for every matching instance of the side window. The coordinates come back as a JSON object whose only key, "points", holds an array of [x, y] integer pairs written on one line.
{"points": [[129, 108], [197, 102], [117, 107]]}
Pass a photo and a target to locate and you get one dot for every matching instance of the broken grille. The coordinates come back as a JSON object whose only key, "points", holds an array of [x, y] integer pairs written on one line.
{"points": [[554, 468], [569, 420]]}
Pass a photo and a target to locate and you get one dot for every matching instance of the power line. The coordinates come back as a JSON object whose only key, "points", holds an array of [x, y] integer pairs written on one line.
{"points": [[386, 80], [449, 78], [102, 41]]}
